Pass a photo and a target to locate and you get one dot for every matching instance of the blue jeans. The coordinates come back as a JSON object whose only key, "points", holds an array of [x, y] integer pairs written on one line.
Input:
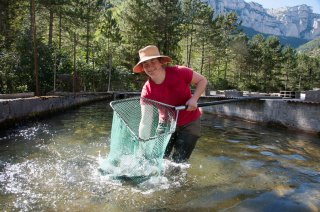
{"points": [[183, 141]]}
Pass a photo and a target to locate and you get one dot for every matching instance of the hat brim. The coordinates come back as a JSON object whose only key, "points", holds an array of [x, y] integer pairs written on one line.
{"points": [[138, 68]]}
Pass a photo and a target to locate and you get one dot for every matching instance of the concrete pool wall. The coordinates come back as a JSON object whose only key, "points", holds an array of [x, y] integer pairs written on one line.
{"points": [[289, 113], [14, 110]]}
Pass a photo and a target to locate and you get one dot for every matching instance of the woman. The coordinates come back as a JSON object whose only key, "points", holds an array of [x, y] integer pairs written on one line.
{"points": [[171, 85]]}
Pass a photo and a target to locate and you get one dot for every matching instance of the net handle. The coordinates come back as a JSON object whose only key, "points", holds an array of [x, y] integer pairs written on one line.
{"points": [[204, 104]]}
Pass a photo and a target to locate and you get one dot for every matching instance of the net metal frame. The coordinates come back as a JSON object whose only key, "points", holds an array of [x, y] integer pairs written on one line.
{"points": [[129, 111]]}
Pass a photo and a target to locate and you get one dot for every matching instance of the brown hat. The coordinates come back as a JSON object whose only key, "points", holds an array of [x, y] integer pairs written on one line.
{"points": [[148, 53]]}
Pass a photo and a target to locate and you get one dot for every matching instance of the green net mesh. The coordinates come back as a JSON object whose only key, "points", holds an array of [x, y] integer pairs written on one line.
{"points": [[141, 130]]}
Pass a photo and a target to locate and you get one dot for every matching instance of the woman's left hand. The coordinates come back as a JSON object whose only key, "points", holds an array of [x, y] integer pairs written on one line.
{"points": [[192, 104]]}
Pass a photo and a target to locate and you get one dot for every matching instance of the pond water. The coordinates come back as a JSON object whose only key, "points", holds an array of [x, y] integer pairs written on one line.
{"points": [[52, 165]]}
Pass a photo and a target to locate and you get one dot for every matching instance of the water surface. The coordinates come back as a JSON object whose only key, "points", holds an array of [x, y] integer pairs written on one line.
{"points": [[52, 164]]}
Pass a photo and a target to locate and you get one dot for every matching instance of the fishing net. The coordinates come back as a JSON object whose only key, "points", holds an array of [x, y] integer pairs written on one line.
{"points": [[141, 130]]}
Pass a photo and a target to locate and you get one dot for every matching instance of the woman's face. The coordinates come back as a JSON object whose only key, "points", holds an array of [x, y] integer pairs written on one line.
{"points": [[152, 67]]}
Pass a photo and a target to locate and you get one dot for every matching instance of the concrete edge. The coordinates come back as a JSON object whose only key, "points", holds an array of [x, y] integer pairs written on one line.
{"points": [[13, 111]]}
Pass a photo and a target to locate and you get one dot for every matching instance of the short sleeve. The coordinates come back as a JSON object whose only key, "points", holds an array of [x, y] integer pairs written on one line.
{"points": [[145, 91], [186, 73]]}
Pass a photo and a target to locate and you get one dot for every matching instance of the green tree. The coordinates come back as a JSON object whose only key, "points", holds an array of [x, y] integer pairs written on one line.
{"points": [[239, 64], [198, 28], [272, 64], [255, 63], [158, 22], [289, 63]]}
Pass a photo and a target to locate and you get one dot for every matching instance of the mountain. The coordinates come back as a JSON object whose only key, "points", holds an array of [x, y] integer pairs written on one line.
{"points": [[311, 48], [291, 41], [296, 24]]}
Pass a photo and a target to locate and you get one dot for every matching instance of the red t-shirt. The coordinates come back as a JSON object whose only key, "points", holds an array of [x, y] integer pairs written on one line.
{"points": [[174, 90]]}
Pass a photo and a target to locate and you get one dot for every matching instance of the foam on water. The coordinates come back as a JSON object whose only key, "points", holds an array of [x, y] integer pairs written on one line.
{"points": [[141, 174], [128, 165]]}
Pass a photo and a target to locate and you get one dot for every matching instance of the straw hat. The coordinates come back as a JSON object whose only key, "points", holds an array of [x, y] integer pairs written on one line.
{"points": [[148, 53]]}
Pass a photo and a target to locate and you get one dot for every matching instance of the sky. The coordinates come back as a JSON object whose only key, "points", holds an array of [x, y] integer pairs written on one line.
{"points": [[315, 4]]}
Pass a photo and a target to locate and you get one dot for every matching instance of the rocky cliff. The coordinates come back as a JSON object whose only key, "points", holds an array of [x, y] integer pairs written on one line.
{"points": [[298, 22]]}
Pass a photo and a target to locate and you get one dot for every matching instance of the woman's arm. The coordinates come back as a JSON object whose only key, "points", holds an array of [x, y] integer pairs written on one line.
{"points": [[146, 121], [201, 83]]}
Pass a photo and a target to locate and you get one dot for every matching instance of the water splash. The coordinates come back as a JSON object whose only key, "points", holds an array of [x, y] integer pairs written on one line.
{"points": [[143, 175]]}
